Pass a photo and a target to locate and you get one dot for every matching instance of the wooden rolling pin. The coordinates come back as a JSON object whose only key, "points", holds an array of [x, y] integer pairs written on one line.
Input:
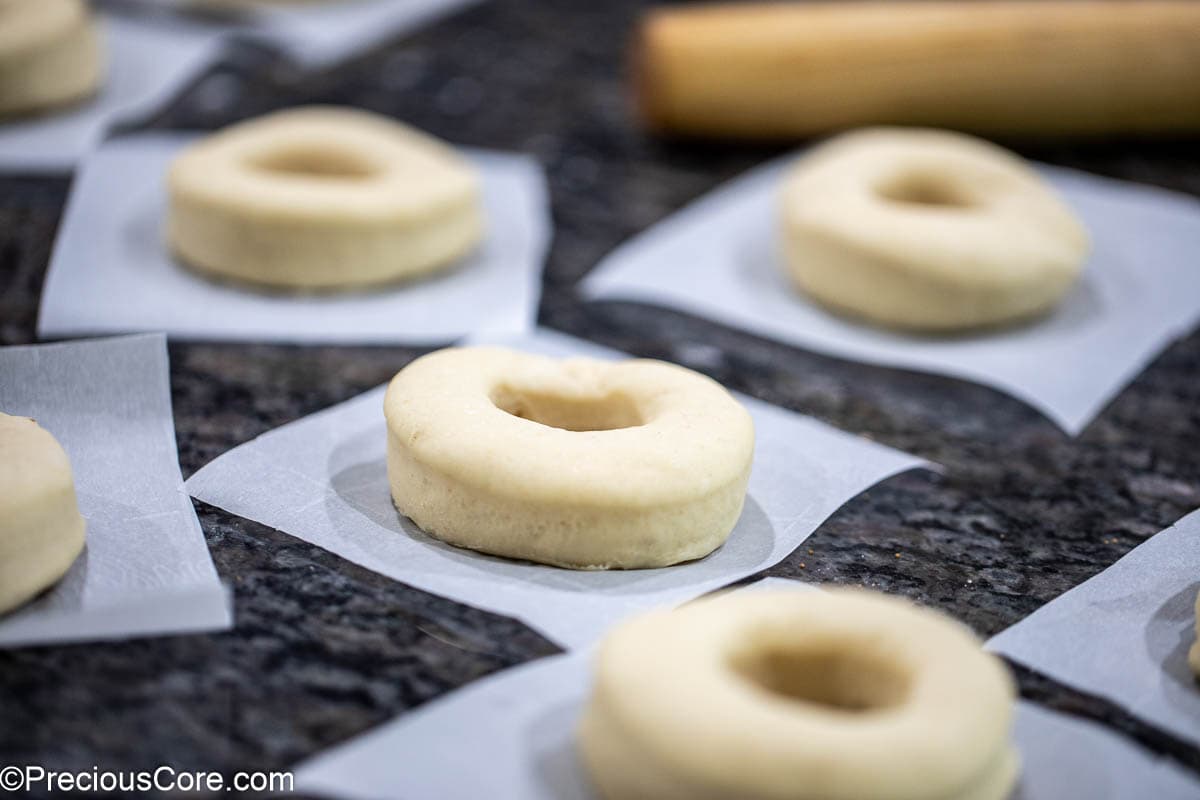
{"points": [[788, 70]]}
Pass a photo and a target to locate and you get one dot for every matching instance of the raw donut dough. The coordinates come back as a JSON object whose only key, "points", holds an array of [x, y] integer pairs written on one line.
{"points": [[49, 54], [927, 230], [792, 695], [577, 463], [41, 531], [321, 198]]}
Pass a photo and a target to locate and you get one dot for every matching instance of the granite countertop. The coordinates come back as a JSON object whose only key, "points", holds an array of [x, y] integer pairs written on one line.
{"points": [[323, 649]]}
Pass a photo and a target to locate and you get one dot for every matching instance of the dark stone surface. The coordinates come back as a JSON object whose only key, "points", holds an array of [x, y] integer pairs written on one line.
{"points": [[323, 649]]}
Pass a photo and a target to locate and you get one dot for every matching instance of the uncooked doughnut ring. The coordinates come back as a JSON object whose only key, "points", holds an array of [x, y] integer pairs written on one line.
{"points": [[927, 230], [789, 695], [322, 198], [41, 531], [49, 54], [577, 463]]}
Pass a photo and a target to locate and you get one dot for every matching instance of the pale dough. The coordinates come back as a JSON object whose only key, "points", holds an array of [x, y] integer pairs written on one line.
{"points": [[793, 695], [577, 463], [49, 54], [41, 530], [322, 198], [927, 230]]}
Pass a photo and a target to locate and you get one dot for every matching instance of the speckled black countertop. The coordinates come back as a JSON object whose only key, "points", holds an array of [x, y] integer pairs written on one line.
{"points": [[323, 649]]}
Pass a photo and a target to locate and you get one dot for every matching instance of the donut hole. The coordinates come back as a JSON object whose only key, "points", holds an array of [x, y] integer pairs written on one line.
{"points": [[846, 679], [924, 189], [570, 413], [315, 161]]}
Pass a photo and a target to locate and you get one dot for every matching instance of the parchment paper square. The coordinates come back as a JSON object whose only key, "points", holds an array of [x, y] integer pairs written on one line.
{"points": [[323, 479], [1124, 634], [145, 64], [111, 271], [720, 257], [318, 35], [145, 569], [519, 729]]}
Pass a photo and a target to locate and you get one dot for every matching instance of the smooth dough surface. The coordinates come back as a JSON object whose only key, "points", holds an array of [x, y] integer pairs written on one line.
{"points": [[791, 695], [49, 54], [41, 530], [577, 463], [322, 198], [927, 230]]}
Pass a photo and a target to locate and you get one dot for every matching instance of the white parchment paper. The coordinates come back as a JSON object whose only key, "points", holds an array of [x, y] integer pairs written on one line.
{"points": [[145, 569], [146, 64], [720, 258], [324, 480], [1125, 633], [111, 271], [317, 34], [519, 727]]}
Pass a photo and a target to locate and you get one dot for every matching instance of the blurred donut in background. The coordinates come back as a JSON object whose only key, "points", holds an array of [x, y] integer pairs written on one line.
{"points": [[322, 198], [927, 230], [50, 54]]}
